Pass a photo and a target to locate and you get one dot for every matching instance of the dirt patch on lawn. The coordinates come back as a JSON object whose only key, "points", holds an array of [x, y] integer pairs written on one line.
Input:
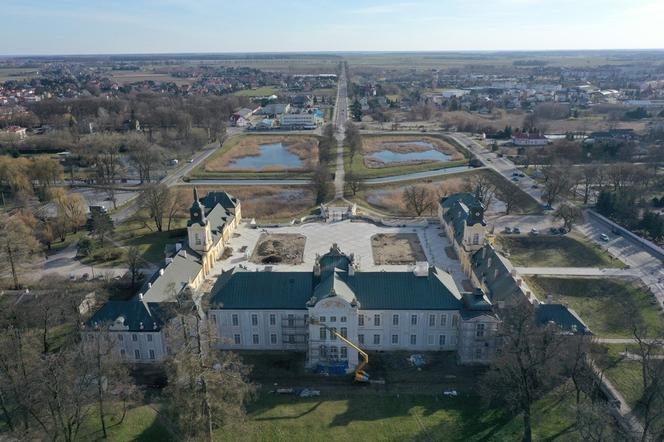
{"points": [[305, 147], [279, 248], [397, 249]]}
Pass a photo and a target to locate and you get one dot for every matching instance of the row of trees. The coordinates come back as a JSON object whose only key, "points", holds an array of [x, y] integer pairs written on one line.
{"points": [[623, 207], [26, 177], [56, 388], [532, 360]]}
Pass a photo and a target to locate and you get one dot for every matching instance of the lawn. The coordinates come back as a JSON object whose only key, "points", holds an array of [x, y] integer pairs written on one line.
{"points": [[623, 373], [359, 168], [607, 306], [258, 92], [555, 251], [150, 243], [360, 416]]}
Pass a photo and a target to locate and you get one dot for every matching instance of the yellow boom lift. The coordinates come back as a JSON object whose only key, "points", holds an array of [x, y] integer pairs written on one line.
{"points": [[360, 374]]}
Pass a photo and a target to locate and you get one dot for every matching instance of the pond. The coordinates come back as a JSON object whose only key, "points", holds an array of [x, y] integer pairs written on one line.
{"points": [[422, 151], [275, 155]]}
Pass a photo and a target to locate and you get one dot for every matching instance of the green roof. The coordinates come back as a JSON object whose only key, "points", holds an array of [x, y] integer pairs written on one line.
{"points": [[241, 289], [137, 315]]}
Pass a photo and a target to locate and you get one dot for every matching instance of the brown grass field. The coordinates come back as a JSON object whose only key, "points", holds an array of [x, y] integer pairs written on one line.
{"points": [[265, 203], [305, 147], [128, 77]]}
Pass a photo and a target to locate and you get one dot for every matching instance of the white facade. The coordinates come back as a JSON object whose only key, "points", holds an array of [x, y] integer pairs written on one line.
{"points": [[298, 120]]}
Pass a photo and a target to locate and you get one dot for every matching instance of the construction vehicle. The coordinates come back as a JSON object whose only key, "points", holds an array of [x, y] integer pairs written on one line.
{"points": [[360, 375]]}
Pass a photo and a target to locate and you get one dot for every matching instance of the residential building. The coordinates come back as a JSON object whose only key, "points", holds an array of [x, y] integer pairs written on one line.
{"points": [[529, 139], [299, 120]]}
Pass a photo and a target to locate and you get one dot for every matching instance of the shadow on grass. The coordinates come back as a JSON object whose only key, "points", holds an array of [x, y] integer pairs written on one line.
{"points": [[294, 416]]}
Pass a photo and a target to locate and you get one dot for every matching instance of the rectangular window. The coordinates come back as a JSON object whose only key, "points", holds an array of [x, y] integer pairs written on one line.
{"points": [[273, 319], [333, 319], [122, 352], [360, 339], [291, 339], [120, 338], [254, 320], [323, 334], [476, 239], [236, 339], [291, 320], [395, 339], [479, 330], [432, 320], [344, 353], [413, 339], [342, 319], [254, 339], [455, 320], [443, 320], [198, 239], [395, 319], [478, 353], [413, 319], [430, 339], [376, 320], [323, 351], [214, 319], [235, 320], [137, 354], [149, 338], [273, 339], [322, 319], [134, 337], [344, 332], [441, 340], [360, 320], [151, 354], [332, 335], [376, 340]]}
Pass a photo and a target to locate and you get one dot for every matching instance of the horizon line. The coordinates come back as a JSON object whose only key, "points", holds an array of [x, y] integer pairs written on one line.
{"points": [[337, 52]]}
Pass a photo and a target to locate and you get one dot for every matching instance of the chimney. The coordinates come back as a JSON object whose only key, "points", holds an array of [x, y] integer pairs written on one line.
{"points": [[149, 285], [140, 325], [140, 296], [161, 272], [351, 270], [317, 269]]}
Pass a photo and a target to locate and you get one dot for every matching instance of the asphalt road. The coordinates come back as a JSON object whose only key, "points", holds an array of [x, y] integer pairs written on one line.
{"points": [[648, 267], [339, 120]]}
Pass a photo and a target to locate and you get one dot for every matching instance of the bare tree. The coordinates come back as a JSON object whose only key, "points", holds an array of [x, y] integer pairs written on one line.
{"points": [[101, 226], [354, 182], [483, 187], [321, 184], [570, 214], [18, 246], [527, 365], [144, 157], [418, 199], [207, 389], [133, 262], [508, 194], [651, 403], [155, 199], [589, 174], [558, 182]]}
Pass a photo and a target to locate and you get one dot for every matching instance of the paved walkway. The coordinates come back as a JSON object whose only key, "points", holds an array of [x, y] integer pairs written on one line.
{"points": [[352, 237], [578, 271], [339, 120]]}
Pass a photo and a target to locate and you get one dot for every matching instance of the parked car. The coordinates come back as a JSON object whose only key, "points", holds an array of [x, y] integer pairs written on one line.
{"points": [[516, 230], [522, 175], [508, 230], [604, 237], [515, 179], [534, 231], [515, 173], [534, 186], [554, 230]]}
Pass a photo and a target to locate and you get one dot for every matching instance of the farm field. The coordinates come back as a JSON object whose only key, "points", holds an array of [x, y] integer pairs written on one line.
{"points": [[258, 92]]}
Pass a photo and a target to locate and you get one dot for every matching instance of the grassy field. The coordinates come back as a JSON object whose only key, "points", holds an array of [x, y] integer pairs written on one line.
{"points": [[555, 251], [216, 166], [359, 168], [608, 306], [407, 408], [140, 424], [623, 373], [258, 92]]}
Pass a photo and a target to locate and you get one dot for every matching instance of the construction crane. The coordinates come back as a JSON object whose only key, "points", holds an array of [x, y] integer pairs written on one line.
{"points": [[360, 374]]}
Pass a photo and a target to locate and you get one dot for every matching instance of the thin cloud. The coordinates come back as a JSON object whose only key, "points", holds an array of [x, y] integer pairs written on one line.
{"points": [[385, 9]]}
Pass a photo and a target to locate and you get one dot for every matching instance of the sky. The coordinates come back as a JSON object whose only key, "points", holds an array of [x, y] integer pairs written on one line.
{"points": [[46, 27]]}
